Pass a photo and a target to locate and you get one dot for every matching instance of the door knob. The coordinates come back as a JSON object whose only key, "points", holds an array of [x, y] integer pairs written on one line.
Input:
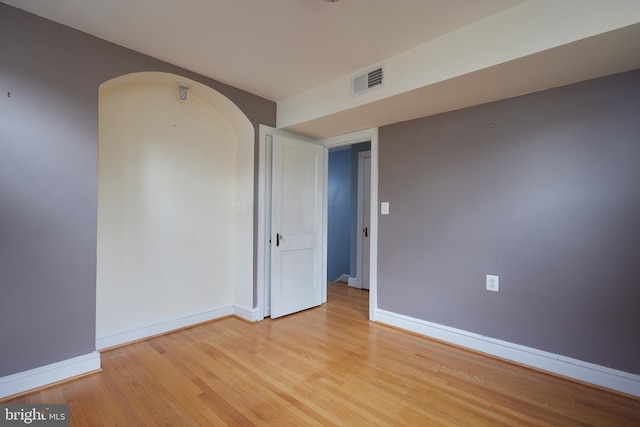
{"points": [[366, 232], [278, 237]]}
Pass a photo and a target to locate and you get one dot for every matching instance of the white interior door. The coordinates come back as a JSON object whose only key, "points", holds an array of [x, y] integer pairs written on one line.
{"points": [[364, 219], [296, 225]]}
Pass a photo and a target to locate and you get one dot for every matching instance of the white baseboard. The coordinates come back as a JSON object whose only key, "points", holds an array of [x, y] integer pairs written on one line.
{"points": [[342, 278], [566, 366], [161, 327], [250, 314], [49, 374], [353, 281]]}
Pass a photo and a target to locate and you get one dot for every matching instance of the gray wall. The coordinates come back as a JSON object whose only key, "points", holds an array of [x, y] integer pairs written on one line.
{"points": [[48, 181], [542, 190], [339, 213]]}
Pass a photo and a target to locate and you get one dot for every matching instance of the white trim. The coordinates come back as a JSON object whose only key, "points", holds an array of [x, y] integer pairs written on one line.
{"points": [[373, 243], [350, 138], [343, 278], [162, 327], [354, 138], [263, 281], [246, 313], [325, 223], [566, 366], [353, 282], [49, 374], [263, 226]]}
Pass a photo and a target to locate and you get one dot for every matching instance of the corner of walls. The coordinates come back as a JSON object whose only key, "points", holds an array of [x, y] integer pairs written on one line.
{"points": [[56, 87], [90, 363], [160, 327], [246, 313]]}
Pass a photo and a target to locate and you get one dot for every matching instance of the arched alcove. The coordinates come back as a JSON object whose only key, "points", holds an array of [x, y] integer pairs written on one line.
{"points": [[175, 207]]}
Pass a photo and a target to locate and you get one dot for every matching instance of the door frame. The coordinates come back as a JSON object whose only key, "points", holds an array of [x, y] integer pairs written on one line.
{"points": [[263, 260]]}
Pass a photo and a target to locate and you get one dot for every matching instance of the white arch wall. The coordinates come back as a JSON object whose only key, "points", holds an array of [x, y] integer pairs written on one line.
{"points": [[175, 204]]}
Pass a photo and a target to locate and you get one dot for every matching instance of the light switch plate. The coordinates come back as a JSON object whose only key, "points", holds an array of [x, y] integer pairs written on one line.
{"points": [[384, 208]]}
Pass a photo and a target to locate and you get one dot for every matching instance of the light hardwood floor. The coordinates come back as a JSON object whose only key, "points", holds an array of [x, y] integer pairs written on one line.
{"points": [[325, 366]]}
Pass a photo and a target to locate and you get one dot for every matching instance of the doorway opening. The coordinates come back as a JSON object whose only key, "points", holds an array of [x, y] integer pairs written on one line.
{"points": [[266, 237], [348, 199]]}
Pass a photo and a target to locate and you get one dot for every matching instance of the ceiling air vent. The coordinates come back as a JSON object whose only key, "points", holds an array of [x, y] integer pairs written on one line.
{"points": [[366, 81]]}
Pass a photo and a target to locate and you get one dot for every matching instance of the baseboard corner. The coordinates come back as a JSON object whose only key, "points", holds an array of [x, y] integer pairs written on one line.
{"points": [[161, 327], [343, 278], [248, 314]]}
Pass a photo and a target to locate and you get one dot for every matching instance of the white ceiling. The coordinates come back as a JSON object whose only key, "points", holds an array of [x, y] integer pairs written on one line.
{"points": [[592, 57], [288, 50], [271, 48]]}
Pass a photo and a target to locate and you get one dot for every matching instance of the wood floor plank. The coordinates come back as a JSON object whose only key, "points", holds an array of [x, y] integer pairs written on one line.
{"points": [[325, 366]]}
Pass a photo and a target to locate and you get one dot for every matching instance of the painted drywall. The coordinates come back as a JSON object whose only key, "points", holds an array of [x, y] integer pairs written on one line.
{"points": [[167, 205], [47, 213], [48, 181], [541, 190], [339, 214]]}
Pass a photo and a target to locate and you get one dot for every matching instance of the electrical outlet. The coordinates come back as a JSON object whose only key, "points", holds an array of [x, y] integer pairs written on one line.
{"points": [[493, 283]]}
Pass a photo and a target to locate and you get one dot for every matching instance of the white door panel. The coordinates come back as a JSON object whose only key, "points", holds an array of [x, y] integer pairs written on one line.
{"points": [[364, 217], [297, 225], [366, 204]]}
